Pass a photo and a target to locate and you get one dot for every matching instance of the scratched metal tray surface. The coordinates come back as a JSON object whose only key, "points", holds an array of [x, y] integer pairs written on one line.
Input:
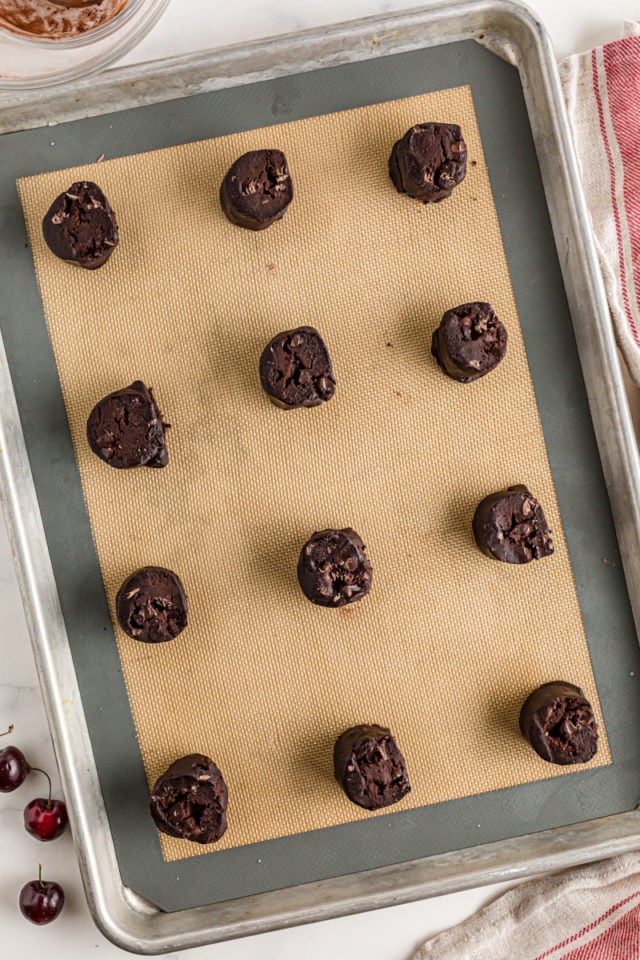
{"points": [[326, 69]]}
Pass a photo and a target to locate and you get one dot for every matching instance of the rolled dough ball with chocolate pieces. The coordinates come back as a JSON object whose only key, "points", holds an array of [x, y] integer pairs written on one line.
{"points": [[296, 369], [369, 766], [510, 526], [81, 227], [333, 569], [152, 606], [559, 723], [189, 801], [125, 429], [470, 341], [257, 189], [429, 161]]}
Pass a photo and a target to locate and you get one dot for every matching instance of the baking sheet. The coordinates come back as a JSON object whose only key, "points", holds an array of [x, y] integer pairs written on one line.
{"points": [[262, 681], [571, 436]]}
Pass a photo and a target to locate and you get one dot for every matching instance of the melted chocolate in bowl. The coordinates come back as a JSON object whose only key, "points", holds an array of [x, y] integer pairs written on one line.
{"points": [[57, 19]]}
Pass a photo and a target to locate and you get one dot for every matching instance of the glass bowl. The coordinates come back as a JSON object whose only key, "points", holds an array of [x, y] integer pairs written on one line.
{"points": [[28, 61]]}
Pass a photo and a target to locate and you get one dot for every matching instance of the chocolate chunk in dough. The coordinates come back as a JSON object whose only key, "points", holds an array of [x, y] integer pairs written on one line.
{"points": [[470, 341], [189, 801], [81, 227], [429, 161], [333, 569], [257, 190], [296, 370], [510, 526], [152, 606], [125, 429], [369, 766], [559, 723]]}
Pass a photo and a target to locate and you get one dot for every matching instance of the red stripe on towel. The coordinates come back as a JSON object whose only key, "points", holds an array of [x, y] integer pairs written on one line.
{"points": [[614, 185], [625, 930]]}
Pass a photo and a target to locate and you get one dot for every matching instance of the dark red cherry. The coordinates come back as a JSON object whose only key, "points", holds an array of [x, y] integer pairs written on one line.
{"points": [[41, 901], [13, 767], [45, 819]]}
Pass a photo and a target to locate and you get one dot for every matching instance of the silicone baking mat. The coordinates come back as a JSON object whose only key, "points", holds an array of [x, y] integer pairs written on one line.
{"points": [[448, 643], [403, 455]]}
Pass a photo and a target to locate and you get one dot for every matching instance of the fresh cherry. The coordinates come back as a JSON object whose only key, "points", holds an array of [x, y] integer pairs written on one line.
{"points": [[41, 902], [45, 819], [13, 767]]}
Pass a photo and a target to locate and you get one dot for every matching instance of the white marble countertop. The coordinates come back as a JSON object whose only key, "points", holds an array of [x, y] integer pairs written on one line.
{"points": [[393, 933]]}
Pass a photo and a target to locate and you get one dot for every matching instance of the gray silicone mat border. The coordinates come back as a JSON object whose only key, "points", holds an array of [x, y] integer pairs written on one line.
{"points": [[573, 455]]}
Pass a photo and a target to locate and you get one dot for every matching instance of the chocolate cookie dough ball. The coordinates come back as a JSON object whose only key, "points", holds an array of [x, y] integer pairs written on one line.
{"points": [[429, 161], [125, 429], [81, 227], [510, 526], [470, 341], [296, 369], [369, 766], [333, 569], [152, 606], [257, 190], [559, 723], [189, 801]]}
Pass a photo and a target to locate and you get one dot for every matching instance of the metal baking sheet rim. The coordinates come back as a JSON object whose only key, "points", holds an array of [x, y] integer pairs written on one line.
{"points": [[512, 31]]}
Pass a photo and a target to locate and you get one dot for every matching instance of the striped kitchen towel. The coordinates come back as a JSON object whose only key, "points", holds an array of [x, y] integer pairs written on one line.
{"points": [[602, 91], [589, 913]]}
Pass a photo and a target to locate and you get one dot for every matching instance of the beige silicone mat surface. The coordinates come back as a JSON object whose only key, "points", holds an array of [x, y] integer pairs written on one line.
{"points": [[449, 642]]}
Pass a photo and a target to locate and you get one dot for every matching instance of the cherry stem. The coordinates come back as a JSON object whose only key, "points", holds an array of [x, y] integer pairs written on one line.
{"points": [[40, 876], [7, 732], [44, 774]]}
